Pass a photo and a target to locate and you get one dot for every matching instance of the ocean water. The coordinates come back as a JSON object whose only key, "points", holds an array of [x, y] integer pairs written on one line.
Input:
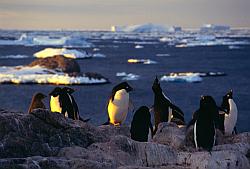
{"points": [[230, 54]]}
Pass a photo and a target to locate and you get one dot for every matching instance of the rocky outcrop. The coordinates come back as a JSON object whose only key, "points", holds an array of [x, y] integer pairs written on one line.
{"points": [[60, 62], [43, 139]]}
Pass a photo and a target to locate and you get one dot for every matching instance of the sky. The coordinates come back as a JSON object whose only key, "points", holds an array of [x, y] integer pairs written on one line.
{"points": [[101, 14]]}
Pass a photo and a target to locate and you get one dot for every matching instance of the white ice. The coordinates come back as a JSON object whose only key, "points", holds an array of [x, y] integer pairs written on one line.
{"points": [[41, 75], [127, 76], [14, 56], [141, 61], [50, 52], [182, 77]]}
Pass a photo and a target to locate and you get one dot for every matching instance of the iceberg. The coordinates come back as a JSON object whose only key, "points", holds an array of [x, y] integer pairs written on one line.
{"points": [[141, 61], [40, 40], [50, 52], [145, 28], [42, 75]]}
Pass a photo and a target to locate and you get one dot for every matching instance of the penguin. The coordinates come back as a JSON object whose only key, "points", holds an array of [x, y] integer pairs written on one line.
{"points": [[228, 114], [141, 124], [119, 104], [37, 102], [63, 102], [204, 125], [164, 109]]}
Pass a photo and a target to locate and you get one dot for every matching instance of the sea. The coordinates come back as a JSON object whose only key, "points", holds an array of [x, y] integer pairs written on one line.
{"points": [[227, 52]]}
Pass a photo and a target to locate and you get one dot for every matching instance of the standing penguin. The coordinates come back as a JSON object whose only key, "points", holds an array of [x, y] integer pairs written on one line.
{"points": [[63, 102], [141, 124], [37, 102], [119, 103], [204, 126], [164, 110], [228, 114]]}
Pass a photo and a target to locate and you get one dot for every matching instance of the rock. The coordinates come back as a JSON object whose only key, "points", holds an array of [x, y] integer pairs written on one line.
{"points": [[170, 134], [112, 130], [126, 151], [67, 65], [215, 160], [45, 140], [43, 133]]}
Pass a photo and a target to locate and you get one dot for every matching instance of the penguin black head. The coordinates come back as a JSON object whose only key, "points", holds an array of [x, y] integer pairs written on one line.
{"points": [[156, 86], [206, 102], [56, 92], [143, 112], [120, 86], [68, 90], [123, 85], [225, 104], [40, 96]]}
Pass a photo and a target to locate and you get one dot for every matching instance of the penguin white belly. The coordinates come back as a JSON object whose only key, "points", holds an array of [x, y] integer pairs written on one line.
{"points": [[55, 104], [231, 118], [195, 137], [118, 108]]}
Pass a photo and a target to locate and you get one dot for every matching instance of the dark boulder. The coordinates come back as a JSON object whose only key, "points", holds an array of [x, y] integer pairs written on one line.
{"points": [[60, 62]]}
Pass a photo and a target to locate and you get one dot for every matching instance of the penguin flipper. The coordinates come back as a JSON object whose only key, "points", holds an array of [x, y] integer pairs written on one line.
{"points": [[152, 129], [177, 113], [191, 122], [235, 130]]}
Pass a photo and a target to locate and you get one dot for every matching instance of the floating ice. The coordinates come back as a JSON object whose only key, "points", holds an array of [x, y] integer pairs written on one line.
{"points": [[162, 54], [141, 61], [234, 47], [139, 46], [14, 57], [50, 52], [41, 75], [190, 77], [96, 49], [182, 77], [146, 28], [98, 55], [127, 77]]}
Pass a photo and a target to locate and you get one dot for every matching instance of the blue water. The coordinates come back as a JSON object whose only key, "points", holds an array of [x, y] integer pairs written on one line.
{"points": [[92, 99]]}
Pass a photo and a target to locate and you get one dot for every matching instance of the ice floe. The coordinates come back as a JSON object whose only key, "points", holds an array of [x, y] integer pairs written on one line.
{"points": [[139, 46], [14, 56], [41, 75], [98, 55], [232, 47], [141, 61], [69, 53], [127, 76], [162, 54], [182, 77], [191, 77]]}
